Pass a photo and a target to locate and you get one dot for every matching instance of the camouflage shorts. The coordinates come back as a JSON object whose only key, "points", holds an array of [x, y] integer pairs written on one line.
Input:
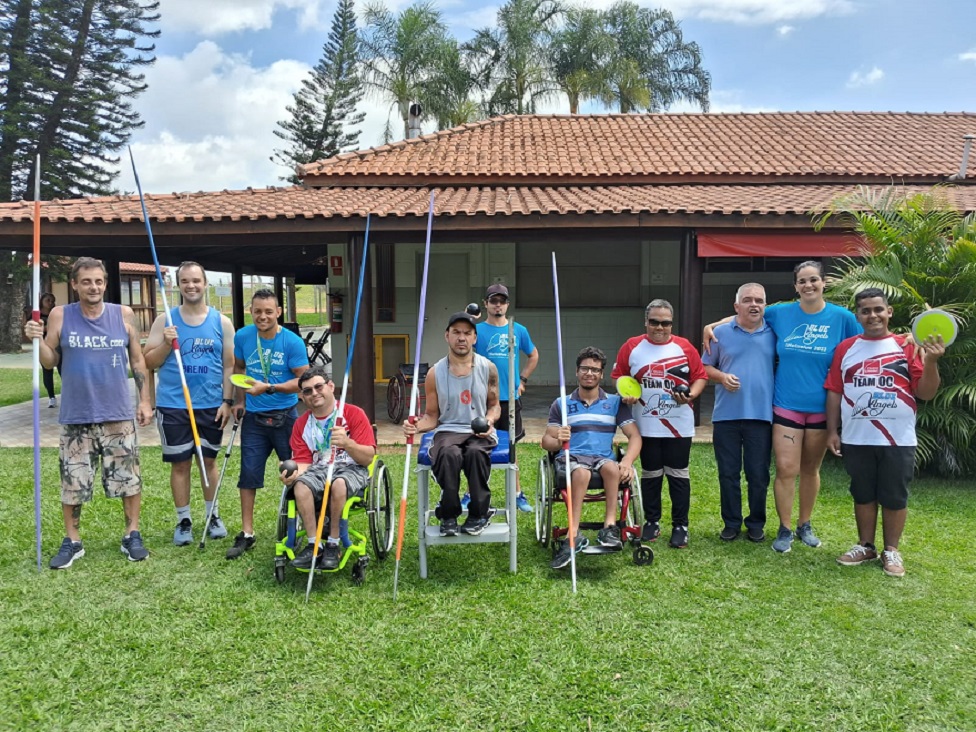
{"points": [[83, 446]]}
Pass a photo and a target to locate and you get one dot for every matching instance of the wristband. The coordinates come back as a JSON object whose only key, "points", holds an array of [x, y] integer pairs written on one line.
{"points": [[524, 379], [229, 402]]}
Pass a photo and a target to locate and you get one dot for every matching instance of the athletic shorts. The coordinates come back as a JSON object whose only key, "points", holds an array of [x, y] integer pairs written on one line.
{"points": [[176, 437], [502, 424], [880, 473], [83, 446], [799, 420], [355, 476], [590, 462]]}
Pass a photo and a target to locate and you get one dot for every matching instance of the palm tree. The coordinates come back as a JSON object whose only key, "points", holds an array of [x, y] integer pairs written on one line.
{"points": [[453, 85], [579, 54], [921, 252], [651, 49], [401, 53]]}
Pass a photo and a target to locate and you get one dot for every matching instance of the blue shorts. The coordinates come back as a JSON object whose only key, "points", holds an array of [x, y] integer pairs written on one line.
{"points": [[257, 442]]}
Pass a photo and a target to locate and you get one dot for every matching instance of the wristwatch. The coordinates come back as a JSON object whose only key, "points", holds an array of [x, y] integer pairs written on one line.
{"points": [[271, 389]]}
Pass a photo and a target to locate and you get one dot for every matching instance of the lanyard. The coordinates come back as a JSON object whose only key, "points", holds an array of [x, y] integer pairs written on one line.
{"points": [[266, 365], [324, 436]]}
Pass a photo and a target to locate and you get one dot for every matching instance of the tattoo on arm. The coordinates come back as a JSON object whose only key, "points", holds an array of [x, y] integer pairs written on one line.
{"points": [[140, 378], [492, 384]]}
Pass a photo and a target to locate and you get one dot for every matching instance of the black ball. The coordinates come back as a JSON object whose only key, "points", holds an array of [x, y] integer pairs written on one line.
{"points": [[681, 389], [479, 425], [473, 309], [287, 467]]}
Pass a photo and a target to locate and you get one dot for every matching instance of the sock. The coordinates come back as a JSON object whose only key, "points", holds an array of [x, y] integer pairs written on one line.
{"points": [[247, 536], [183, 512], [332, 542], [207, 508]]}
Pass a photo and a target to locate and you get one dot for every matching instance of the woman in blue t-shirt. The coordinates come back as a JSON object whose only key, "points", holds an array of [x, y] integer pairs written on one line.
{"points": [[807, 332]]}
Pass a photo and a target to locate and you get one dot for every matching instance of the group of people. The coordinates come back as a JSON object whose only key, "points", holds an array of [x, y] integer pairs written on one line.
{"points": [[792, 378]]}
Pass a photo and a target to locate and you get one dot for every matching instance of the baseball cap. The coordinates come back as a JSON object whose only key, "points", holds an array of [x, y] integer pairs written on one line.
{"points": [[461, 316], [497, 290]]}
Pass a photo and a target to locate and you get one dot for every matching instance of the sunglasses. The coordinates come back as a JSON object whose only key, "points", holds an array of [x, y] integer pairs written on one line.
{"points": [[662, 323], [497, 300], [309, 390]]}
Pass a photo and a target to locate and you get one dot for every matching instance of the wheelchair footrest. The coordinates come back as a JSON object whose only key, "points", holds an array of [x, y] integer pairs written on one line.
{"points": [[599, 549]]}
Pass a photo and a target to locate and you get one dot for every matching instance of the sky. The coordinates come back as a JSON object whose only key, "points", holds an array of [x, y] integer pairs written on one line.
{"points": [[226, 70]]}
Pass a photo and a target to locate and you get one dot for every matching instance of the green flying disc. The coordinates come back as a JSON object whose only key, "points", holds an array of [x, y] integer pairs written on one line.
{"points": [[935, 323], [628, 386], [242, 380]]}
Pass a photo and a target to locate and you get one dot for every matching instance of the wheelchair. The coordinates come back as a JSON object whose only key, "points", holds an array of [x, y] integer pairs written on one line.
{"points": [[376, 501], [398, 391], [549, 494]]}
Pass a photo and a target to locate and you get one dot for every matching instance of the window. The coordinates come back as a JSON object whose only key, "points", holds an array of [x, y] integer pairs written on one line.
{"points": [[385, 284]]}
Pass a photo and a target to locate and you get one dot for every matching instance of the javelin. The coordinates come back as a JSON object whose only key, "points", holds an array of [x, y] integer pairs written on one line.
{"points": [[36, 317], [413, 395], [169, 324], [338, 418], [562, 403]]}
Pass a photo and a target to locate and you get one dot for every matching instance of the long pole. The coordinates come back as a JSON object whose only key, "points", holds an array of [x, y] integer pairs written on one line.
{"points": [[36, 317], [220, 480], [169, 323], [414, 394], [562, 403], [340, 409]]}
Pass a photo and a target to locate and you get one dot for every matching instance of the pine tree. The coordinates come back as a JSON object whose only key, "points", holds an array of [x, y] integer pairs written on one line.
{"points": [[323, 115]]}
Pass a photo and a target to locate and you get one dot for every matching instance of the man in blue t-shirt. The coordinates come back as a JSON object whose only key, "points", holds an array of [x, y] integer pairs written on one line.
{"points": [[592, 418], [492, 343], [741, 365], [272, 358], [206, 340]]}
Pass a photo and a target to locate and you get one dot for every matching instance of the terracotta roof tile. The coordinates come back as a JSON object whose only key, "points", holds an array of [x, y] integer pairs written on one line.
{"points": [[804, 144]]}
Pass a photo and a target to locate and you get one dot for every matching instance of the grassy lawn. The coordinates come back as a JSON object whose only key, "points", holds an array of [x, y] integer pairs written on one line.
{"points": [[716, 637], [17, 385]]}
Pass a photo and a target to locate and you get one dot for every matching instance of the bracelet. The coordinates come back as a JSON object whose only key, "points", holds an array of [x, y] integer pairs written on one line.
{"points": [[229, 402], [524, 379]]}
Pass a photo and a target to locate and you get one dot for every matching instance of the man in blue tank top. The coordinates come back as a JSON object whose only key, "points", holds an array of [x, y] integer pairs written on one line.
{"points": [[97, 344], [206, 341]]}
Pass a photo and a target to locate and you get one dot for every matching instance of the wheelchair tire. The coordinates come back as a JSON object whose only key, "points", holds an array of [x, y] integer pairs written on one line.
{"points": [[382, 513], [643, 556], [396, 398], [543, 503], [279, 571]]}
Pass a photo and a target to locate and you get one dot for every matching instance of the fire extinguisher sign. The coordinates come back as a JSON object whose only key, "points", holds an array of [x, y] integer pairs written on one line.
{"points": [[335, 263]]}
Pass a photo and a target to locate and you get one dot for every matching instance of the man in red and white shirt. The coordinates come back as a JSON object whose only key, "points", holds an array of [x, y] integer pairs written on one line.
{"points": [[872, 387], [316, 442], [671, 376]]}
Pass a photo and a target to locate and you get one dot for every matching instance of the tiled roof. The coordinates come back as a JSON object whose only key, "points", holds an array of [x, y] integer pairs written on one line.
{"points": [[283, 204], [137, 268], [804, 145]]}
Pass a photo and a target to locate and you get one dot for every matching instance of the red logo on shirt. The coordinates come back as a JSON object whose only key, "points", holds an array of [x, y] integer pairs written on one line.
{"points": [[658, 371], [872, 367], [465, 397]]}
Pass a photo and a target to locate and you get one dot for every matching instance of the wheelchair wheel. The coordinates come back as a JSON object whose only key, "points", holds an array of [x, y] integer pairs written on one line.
{"points": [[282, 530], [543, 503], [382, 519], [635, 511], [396, 398], [279, 570]]}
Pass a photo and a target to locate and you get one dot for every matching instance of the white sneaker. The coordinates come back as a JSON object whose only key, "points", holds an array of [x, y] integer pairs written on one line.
{"points": [[52, 402]]}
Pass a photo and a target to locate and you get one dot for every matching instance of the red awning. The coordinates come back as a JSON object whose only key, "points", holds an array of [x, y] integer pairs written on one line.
{"points": [[783, 243]]}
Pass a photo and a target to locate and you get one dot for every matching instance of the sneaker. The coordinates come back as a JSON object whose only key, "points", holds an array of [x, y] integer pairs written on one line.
{"points": [[806, 535], [651, 530], [329, 557], [216, 529], [52, 402], [729, 534], [679, 537], [522, 503], [132, 547], [858, 554], [67, 554], [184, 533], [891, 563], [756, 534], [465, 501], [449, 527], [474, 526], [241, 544], [564, 555], [609, 536], [783, 541], [303, 560]]}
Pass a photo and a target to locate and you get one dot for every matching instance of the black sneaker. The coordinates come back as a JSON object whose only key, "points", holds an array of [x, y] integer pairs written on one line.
{"points": [[609, 536], [679, 537], [132, 547], [449, 527], [474, 526], [329, 557], [651, 530], [729, 534], [303, 560], [241, 544], [67, 554], [564, 555], [756, 534]]}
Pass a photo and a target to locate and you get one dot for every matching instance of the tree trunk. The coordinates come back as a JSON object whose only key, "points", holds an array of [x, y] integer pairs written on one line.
{"points": [[14, 120], [12, 300]]}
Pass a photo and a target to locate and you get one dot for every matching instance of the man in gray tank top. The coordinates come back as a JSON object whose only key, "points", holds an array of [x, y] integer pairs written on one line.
{"points": [[461, 390], [97, 344]]}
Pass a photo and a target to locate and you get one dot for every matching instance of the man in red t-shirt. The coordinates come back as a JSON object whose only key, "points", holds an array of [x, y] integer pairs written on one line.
{"points": [[872, 386], [316, 442]]}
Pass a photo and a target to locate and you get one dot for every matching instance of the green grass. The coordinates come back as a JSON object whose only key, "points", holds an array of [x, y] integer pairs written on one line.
{"points": [[17, 385], [716, 637]]}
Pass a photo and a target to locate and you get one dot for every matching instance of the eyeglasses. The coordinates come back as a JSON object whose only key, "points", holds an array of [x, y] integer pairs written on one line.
{"points": [[590, 370], [662, 323], [497, 300], [309, 390]]}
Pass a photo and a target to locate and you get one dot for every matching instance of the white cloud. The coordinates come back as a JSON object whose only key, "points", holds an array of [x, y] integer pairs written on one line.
{"points": [[212, 17], [859, 79], [785, 30], [757, 11], [722, 101], [968, 56]]}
